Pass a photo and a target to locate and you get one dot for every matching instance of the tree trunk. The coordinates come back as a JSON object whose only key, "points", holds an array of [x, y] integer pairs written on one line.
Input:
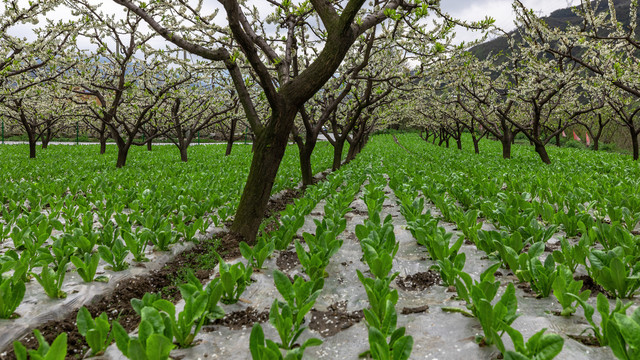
{"points": [[183, 153], [338, 147], [232, 134], [542, 151], [476, 141], [32, 147], [149, 145], [506, 146], [634, 142], [270, 145], [103, 144], [596, 143], [558, 140], [122, 155], [459, 143]]}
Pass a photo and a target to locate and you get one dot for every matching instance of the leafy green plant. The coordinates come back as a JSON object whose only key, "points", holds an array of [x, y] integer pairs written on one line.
{"points": [[541, 275], [290, 223], [51, 280], [87, 268], [571, 255], [97, 332], [322, 246], [540, 346], [115, 255], [234, 279], [378, 292], [449, 269], [56, 351], [609, 270], [12, 288], [299, 295], [624, 335], [468, 223], [398, 348], [84, 242], [265, 349], [154, 340], [563, 285], [213, 311], [137, 244], [189, 321], [257, 254], [601, 331]]}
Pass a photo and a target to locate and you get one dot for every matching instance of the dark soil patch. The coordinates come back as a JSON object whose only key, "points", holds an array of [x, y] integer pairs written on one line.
{"points": [[117, 304], [274, 206], [589, 284], [526, 287], [468, 242], [552, 247], [588, 340], [229, 246], [287, 260], [419, 281], [243, 319], [414, 310], [334, 320], [358, 212]]}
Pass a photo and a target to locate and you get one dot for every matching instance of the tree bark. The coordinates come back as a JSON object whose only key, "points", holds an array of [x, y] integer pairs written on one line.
{"points": [[183, 154], [270, 145], [506, 147], [149, 145], [476, 141], [32, 147], [459, 143], [123, 151], [103, 144], [232, 134], [338, 147], [634, 141], [542, 151]]}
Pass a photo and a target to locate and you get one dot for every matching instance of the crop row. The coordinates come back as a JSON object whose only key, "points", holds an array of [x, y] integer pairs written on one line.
{"points": [[607, 251]]}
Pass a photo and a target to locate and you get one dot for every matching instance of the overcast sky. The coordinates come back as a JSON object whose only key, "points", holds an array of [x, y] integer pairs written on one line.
{"points": [[500, 10]]}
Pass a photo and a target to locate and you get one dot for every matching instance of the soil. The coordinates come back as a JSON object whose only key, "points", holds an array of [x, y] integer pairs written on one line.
{"points": [[287, 260], [274, 206], [419, 281], [358, 212], [589, 284], [588, 340], [414, 310], [552, 247], [335, 319], [229, 246], [243, 319], [526, 287]]}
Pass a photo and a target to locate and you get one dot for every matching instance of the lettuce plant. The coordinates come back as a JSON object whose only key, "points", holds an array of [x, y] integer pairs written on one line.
{"points": [[540, 346], [154, 340], [12, 288], [97, 332], [87, 267], [115, 255], [265, 349], [563, 285], [56, 351], [52, 280], [602, 331], [257, 254], [234, 280]]}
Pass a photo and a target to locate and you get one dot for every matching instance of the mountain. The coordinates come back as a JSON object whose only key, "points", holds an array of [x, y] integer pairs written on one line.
{"points": [[558, 19]]}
